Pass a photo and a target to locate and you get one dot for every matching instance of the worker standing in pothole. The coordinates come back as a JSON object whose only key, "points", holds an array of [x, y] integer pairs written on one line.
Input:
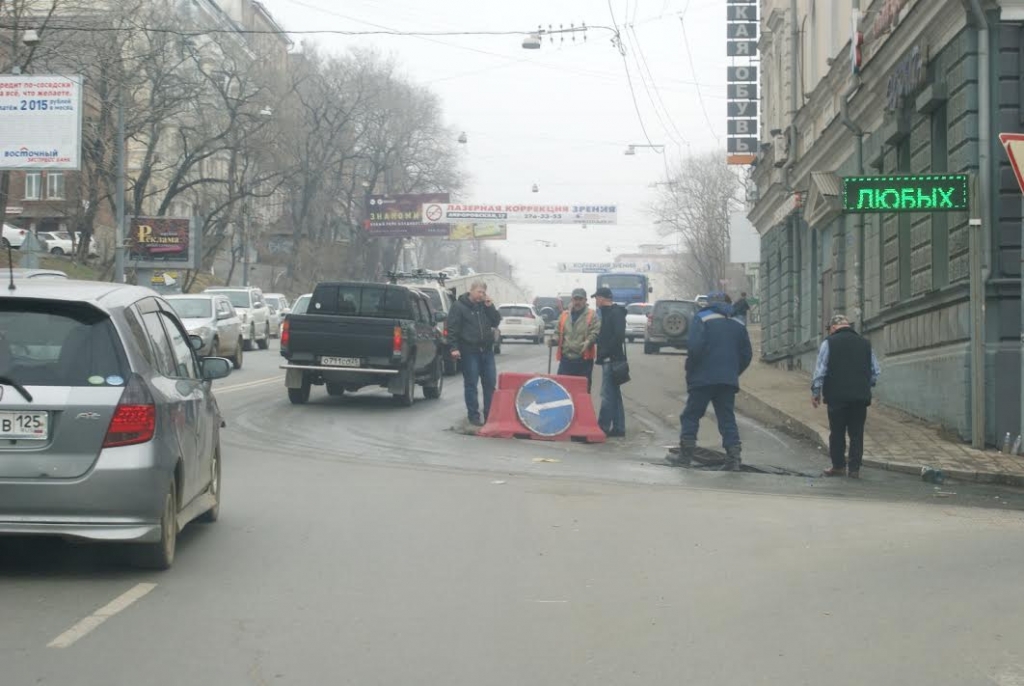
{"points": [[718, 352]]}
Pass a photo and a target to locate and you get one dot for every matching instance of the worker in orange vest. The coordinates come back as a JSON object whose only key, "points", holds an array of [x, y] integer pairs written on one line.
{"points": [[576, 337]]}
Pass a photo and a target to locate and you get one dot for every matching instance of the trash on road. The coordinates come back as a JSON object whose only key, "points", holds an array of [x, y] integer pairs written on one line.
{"points": [[932, 475], [545, 459], [498, 482]]}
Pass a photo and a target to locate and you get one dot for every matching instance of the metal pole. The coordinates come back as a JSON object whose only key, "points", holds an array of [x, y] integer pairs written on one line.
{"points": [[977, 247], [245, 245], [119, 192]]}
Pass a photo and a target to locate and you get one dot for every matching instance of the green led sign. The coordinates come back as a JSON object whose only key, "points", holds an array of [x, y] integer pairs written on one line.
{"points": [[923, 193]]}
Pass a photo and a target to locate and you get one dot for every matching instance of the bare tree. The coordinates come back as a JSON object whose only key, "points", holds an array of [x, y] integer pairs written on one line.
{"points": [[694, 206]]}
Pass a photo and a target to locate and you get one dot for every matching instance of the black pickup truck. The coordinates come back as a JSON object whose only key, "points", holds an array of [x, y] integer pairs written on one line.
{"points": [[356, 334]]}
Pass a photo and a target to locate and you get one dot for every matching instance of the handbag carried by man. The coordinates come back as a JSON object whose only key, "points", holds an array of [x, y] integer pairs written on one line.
{"points": [[620, 369]]}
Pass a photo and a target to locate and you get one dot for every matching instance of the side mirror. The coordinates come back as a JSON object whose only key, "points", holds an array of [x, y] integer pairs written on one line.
{"points": [[196, 342], [225, 315], [215, 368], [440, 317]]}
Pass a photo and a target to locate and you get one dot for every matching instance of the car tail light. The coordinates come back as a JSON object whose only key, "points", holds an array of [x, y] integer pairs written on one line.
{"points": [[396, 341], [285, 333], [134, 420]]}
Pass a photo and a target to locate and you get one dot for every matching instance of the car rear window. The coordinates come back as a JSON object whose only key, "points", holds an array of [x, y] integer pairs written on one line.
{"points": [[666, 306], [56, 343], [553, 303], [237, 298], [514, 311], [357, 300], [192, 308]]}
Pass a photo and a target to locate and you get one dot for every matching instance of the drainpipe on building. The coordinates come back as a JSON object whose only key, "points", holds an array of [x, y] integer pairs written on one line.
{"points": [[787, 168], [858, 148], [980, 229]]}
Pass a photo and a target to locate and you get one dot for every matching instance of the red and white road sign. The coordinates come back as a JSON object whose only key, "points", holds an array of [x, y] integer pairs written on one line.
{"points": [[1013, 143]]}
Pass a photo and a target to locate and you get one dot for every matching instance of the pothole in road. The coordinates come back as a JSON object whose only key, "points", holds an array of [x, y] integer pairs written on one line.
{"points": [[707, 460]]}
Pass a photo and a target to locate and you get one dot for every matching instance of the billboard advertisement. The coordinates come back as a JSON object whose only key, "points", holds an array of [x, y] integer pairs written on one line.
{"points": [[401, 216], [40, 122], [501, 213], [162, 242], [477, 232]]}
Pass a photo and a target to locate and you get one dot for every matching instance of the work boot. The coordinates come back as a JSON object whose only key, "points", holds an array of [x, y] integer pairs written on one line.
{"points": [[685, 457], [733, 458]]}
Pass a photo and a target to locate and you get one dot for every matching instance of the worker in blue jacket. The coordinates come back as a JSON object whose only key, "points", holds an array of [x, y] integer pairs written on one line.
{"points": [[718, 353]]}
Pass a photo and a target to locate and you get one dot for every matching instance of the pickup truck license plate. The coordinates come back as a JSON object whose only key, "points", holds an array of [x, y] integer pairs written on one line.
{"points": [[341, 361], [24, 426]]}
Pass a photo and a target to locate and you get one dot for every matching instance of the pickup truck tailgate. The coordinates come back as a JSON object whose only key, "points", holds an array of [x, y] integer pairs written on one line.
{"points": [[318, 335]]}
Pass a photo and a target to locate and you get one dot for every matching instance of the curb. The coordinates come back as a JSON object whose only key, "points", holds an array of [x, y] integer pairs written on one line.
{"points": [[755, 408]]}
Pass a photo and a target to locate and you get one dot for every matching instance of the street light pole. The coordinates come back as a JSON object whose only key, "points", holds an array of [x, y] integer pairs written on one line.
{"points": [[119, 192]]}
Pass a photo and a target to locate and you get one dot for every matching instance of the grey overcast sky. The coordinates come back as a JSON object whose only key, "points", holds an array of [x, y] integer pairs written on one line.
{"points": [[561, 116]]}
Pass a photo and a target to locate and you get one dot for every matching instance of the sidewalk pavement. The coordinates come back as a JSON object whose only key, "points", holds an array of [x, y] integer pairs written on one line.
{"points": [[893, 440]]}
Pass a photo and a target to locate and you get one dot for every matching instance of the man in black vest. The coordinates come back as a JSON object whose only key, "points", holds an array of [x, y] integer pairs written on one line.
{"points": [[847, 369]]}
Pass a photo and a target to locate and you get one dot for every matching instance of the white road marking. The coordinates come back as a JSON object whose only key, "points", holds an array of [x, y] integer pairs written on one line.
{"points": [[242, 386], [90, 623]]}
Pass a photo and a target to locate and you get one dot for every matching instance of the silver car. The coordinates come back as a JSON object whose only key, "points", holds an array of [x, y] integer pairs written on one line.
{"points": [[279, 309], [213, 318], [109, 430], [301, 304]]}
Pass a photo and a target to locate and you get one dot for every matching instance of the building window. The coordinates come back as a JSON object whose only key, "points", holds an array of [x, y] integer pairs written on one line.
{"points": [[55, 185], [33, 181]]}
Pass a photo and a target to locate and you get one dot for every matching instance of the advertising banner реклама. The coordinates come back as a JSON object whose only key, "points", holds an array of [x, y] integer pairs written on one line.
{"points": [[453, 213], [40, 122], [155, 242], [401, 216]]}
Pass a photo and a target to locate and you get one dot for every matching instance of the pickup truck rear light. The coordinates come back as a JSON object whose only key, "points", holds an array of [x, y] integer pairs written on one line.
{"points": [[134, 420], [285, 333], [396, 341]]}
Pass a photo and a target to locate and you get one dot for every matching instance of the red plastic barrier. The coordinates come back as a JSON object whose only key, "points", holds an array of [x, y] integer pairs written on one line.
{"points": [[503, 422]]}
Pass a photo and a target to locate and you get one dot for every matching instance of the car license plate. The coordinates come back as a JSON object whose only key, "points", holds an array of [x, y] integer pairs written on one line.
{"points": [[24, 426], [513, 321], [341, 361]]}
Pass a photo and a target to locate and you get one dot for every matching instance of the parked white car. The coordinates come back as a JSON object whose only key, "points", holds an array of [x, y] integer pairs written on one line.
{"points": [[60, 243], [253, 312], [636, 320], [520, 320], [14, 237]]}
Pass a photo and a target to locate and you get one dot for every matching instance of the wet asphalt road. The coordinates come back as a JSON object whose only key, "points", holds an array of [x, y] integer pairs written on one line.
{"points": [[362, 543]]}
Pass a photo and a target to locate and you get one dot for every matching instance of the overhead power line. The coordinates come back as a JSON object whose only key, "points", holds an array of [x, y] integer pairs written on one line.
{"points": [[629, 79], [693, 70]]}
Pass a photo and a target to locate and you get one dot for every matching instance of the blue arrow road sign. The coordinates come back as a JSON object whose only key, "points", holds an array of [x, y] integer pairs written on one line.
{"points": [[544, 406]]}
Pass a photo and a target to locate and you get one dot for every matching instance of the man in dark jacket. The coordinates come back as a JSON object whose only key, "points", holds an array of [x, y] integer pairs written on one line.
{"points": [[471, 326], [718, 353], [846, 371], [611, 347], [740, 309]]}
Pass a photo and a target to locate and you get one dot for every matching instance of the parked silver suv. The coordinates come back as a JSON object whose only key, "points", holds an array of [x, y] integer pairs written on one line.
{"points": [[109, 430]]}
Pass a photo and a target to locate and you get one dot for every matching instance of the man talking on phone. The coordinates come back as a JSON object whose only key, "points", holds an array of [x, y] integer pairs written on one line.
{"points": [[471, 328]]}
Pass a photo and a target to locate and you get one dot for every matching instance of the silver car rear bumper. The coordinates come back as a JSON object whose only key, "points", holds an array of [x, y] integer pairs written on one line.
{"points": [[120, 499]]}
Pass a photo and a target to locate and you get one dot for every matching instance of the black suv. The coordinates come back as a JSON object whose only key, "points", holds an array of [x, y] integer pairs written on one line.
{"points": [[669, 325]]}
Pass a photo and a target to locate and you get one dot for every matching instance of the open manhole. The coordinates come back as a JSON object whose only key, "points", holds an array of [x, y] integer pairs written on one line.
{"points": [[707, 460]]}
